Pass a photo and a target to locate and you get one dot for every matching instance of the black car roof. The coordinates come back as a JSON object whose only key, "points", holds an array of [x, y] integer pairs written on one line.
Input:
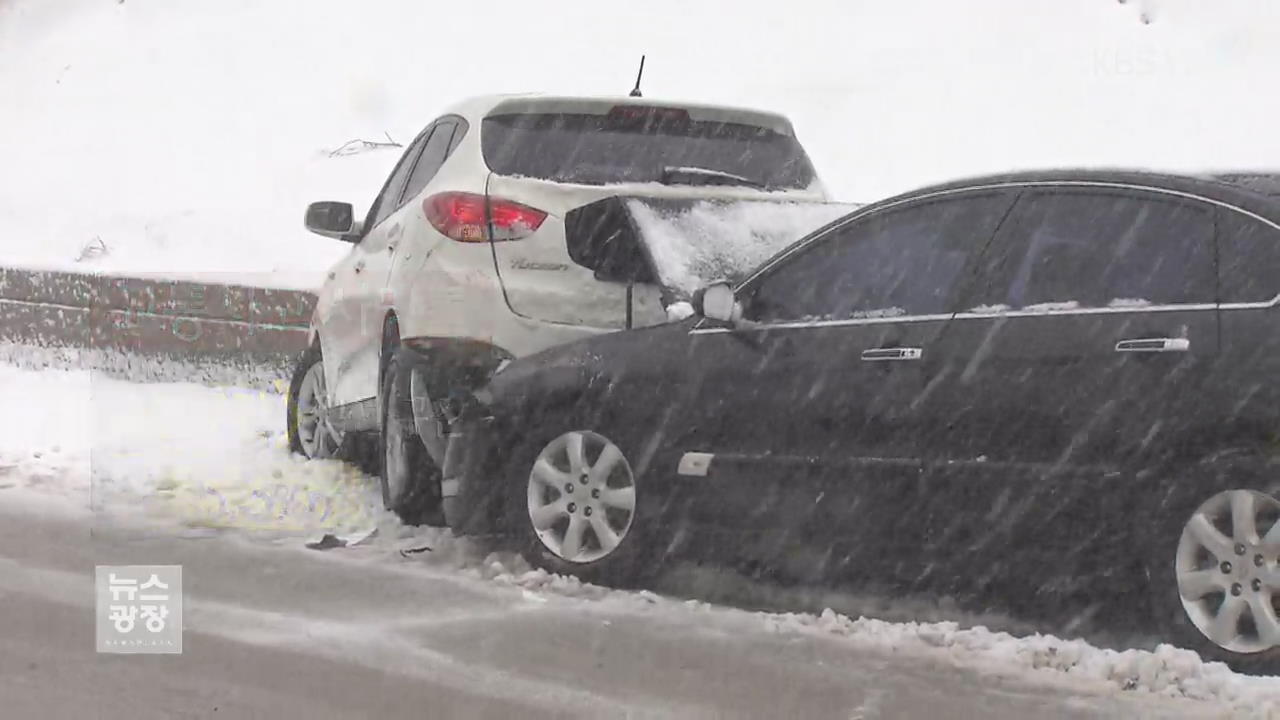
{"points": [[1258, 192]]}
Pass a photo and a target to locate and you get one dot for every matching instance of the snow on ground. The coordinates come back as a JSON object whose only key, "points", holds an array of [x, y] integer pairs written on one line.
{"points": [[185, 137], [182, 457], [168, 453]]}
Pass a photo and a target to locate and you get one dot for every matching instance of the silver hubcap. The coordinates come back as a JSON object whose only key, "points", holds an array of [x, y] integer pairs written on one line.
{"points": [[318, 437], [582, 496], [1227, 573]]}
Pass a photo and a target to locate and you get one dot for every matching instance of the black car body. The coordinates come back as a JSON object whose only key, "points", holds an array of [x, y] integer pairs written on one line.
{"points": [[1013, 390]]}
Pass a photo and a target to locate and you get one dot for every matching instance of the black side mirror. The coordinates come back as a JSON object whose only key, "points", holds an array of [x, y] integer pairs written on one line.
{"points": [[602, 237], [332, 219], [622, 262]]}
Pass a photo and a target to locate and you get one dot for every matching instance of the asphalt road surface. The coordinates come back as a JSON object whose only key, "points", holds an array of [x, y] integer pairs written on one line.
{"points": [[274, 630]]}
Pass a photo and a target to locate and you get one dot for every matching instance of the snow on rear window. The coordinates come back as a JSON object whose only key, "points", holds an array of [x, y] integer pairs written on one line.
{"points": [[712, 241]]}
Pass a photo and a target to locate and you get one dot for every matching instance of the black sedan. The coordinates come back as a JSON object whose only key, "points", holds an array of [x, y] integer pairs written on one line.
{"points": [[1051, 393]]}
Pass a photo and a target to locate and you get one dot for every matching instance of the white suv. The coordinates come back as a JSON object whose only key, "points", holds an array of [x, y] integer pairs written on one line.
{"points": [[503, 230]]}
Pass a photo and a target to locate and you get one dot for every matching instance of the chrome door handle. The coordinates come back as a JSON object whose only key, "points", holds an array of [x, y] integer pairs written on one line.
{"points": [[1148, 345], [896, 353]]}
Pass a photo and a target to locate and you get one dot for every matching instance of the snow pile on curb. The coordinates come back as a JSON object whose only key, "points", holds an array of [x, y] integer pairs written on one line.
{"points": [[1167, 671], [44, 438], [169, 452]]}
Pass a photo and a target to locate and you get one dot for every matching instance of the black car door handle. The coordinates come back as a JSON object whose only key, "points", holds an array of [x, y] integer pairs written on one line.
{"points": [[1147, 345], [895, 353]]}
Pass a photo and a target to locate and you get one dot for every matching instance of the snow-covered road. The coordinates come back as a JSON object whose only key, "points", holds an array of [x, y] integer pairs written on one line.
{"points": [[98, 470]]}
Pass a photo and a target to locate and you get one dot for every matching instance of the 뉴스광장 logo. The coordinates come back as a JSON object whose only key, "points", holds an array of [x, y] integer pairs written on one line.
{"points": [[139, 608]]}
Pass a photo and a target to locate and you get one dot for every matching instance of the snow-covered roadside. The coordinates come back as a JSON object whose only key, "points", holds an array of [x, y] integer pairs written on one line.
{"points": [[167, 453], [182, 456]]}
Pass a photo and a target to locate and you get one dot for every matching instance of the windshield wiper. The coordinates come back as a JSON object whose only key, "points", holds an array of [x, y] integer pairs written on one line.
{"points": [[676, 175]]}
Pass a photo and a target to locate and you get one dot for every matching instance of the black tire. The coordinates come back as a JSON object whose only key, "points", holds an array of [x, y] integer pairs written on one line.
{"points": [[635, 558], [1179, 501], [409, 477], [309, 358]]}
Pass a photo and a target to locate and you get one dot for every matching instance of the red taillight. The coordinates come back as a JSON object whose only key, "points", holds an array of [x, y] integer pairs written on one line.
{"points": [[461, 216]]}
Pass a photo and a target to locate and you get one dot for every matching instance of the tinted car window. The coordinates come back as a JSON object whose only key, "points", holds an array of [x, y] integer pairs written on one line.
{"points": [[388, 199], [1096, 249], [459, 131], [433, 156], [1249, 257], [612, 148], [897, 262]]}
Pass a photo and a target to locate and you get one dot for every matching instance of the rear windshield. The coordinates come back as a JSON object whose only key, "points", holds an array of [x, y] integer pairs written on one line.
{"points": [[614, 148]]}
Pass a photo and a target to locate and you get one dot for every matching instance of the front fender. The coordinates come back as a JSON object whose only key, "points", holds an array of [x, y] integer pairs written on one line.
{"points": [[535, 385]]}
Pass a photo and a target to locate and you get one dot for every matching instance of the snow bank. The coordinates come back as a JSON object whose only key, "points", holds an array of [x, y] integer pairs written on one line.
{"points": [[45, 437], [168, 453], [711, 241], [1167, 671], [187, 135]]}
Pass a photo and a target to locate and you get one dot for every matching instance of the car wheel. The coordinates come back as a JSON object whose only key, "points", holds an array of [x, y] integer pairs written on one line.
{"points": [[311, 434], [576, 500], [1215, 575], [410, 479]]}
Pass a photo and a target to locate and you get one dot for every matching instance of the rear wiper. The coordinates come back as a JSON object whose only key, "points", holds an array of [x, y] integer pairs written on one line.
{"points": [[675, 175]]}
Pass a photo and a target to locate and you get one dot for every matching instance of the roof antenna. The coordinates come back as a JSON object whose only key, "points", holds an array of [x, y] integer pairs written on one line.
{"points": [[635, 91]]}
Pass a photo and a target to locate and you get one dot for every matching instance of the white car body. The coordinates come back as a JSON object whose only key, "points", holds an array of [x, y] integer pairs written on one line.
{"points": [[522, 295]]}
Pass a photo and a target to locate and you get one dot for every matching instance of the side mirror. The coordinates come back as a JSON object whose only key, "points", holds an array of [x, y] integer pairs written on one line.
{"points": [[332, 219], [717, 302], [602, 236]]}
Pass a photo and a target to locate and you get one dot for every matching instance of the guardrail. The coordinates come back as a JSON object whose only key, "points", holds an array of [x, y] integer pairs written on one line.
{"points": [[195, 321]]}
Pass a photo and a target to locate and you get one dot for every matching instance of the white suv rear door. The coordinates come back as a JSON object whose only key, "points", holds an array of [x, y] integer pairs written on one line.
{"points": [[539, 278]]}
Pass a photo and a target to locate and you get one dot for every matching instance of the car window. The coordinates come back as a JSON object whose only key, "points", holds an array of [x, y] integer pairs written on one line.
{"points": [[1072, 248], [636, 144], [1249, 257], [896, 262], [388, 199], [459, 132], [433, 156]]}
